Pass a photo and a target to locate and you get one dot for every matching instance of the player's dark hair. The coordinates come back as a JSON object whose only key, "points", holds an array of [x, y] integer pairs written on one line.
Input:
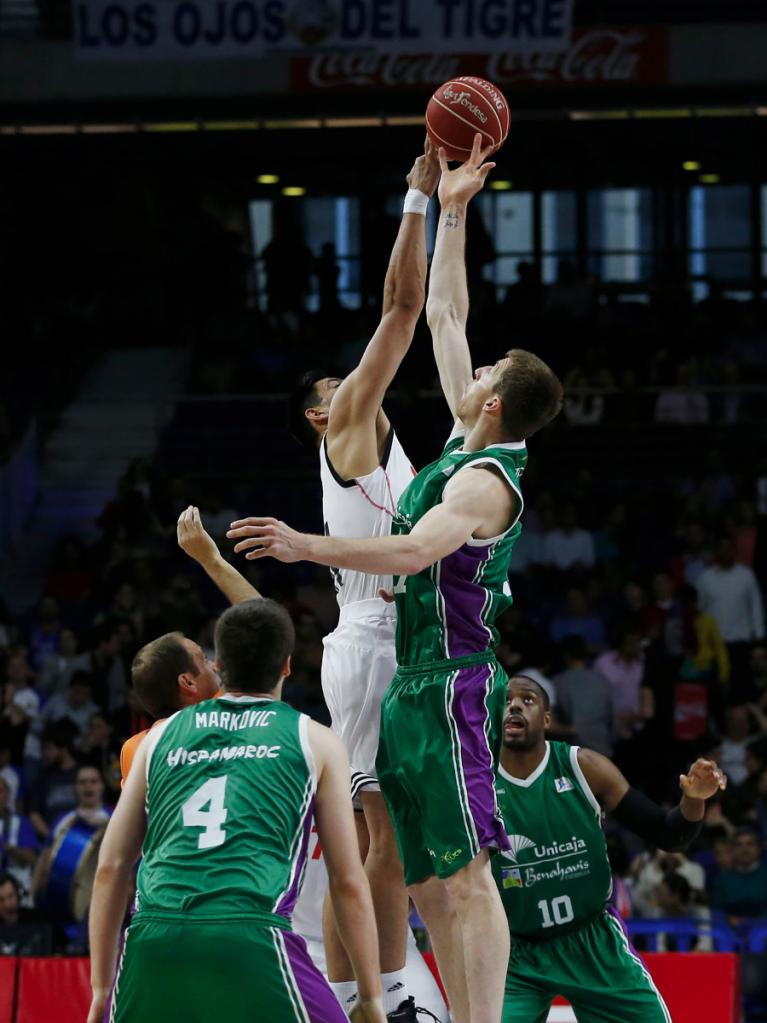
{"points": [[89, 767], [544, 695], [304, 396], [253, 641], [155, 671], [531, 394]]}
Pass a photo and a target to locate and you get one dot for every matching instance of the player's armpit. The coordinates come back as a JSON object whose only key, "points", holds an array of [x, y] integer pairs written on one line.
{"points": [[603, 777]]}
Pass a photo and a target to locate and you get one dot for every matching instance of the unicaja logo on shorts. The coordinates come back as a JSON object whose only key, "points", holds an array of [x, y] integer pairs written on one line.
{"points": [[463, 99]]}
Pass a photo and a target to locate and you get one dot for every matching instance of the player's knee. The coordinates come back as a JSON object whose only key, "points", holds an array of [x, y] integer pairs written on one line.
{"points": [[474, 881]]}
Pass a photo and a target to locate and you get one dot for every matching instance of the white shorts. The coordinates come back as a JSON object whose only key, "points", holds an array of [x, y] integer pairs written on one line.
{"points": [[358, 664]]}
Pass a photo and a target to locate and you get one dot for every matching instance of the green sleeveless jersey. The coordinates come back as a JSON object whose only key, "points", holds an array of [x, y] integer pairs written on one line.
{"points": [[448, 610], [230, 798], [556, 875]]}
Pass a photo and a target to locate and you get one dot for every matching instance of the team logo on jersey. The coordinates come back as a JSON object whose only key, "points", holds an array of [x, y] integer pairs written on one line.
{"points": [[519, 470], [516, 844], [563, 785], [452, 856], [511, 877]]}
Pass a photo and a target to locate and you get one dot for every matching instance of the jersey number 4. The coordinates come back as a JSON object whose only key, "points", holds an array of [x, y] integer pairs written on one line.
{"points": [[210, 794]]}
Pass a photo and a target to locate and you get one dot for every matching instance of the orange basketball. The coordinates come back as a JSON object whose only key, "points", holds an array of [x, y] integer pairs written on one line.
{"points": [[462, 107]]}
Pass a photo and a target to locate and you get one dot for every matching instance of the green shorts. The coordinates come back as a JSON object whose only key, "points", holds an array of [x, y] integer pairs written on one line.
{"points": [[594, 968], [441, 726], [239, 970]]}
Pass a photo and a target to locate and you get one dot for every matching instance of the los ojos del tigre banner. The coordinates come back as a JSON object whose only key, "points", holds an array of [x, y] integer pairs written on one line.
{"points": [[177, 29]]}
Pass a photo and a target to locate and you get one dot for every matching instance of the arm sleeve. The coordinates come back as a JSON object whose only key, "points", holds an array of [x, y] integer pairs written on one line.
{"points": [[667, 830]]}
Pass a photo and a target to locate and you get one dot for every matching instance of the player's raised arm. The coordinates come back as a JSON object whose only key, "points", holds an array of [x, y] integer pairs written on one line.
{"points": [[476, 502], [356, 405], [447, 307], [195, 541], [111, 889], [349, 888], [671, 830]]}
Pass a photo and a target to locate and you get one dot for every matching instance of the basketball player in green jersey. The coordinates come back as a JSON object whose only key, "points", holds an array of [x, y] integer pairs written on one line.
{"points": [[555, 879], [449, 551], [222, 797]]}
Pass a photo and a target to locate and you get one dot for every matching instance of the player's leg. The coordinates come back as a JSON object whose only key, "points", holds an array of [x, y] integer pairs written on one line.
{"points": [[607, 979], [461, 821], [432, 901], [339, 970], [484, 935], [390, 901], [421, 983], [524, 1001]]}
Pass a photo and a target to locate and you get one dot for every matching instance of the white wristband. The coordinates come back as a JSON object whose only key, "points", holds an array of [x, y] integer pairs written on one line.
{"points": [[416, 201]]}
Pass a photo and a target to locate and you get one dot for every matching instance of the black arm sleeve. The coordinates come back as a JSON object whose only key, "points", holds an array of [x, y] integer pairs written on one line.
{"points": [[667, 830]]}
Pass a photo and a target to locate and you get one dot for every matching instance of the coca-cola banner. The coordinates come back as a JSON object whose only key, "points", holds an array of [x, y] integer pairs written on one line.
{"points": [[596, 56], [179, 29]]}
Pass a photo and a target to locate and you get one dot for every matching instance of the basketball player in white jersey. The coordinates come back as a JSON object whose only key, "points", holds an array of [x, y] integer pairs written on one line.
{"points": [[364, 471], [307, 916]]}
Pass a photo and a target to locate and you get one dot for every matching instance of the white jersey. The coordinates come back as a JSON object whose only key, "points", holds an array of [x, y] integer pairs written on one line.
{"points": [[363, 507]]}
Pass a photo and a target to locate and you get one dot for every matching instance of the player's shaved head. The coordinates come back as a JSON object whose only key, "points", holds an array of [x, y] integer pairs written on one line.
{"points": [[527, 680], [254, 640], [155, 671], [531, 394]]}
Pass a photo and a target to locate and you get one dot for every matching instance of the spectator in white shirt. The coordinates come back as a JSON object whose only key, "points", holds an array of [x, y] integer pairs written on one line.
{"points": [[683, 403], [568, 546], [730, 593]]}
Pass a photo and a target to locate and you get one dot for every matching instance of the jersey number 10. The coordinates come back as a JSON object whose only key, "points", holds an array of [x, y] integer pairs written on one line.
{"points": [[193, 815], [561, 909]]}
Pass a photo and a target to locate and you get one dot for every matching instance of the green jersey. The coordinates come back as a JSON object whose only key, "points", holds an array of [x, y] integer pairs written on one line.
{"points": [[449, 610], [230, 799], [556, 875]]}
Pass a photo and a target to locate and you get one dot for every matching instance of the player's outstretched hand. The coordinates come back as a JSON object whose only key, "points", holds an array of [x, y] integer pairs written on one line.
{"points": [[703, 780], [426, 171], [368, 1012], [192, 537], [267, 538], [464, 182]]}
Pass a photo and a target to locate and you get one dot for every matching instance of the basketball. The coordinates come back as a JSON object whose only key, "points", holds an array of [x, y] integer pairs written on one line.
{"points": [[462, 107]]}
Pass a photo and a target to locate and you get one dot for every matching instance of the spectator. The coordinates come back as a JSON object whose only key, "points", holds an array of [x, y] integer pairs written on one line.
{"points": [[578, 619], [57, 668], [662, 619], [76, 706], [583, 698], [683, 404], [758, 666], [649, 869], [733, 750], [44, 632], [20, 703], [19, 845], [54, 792], [623, 668], [568, 546], [8, 772], [742, 891], [701, 639], [99, 748], [730, 593], [106, 668], [12, 913], [688, 566], [674, 899]]}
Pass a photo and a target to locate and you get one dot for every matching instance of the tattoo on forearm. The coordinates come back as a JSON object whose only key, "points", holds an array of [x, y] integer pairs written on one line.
{"points": [[452, 219]]}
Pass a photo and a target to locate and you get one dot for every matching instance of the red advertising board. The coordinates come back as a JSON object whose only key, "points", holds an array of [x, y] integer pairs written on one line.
{"points": [[596, 57]]}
